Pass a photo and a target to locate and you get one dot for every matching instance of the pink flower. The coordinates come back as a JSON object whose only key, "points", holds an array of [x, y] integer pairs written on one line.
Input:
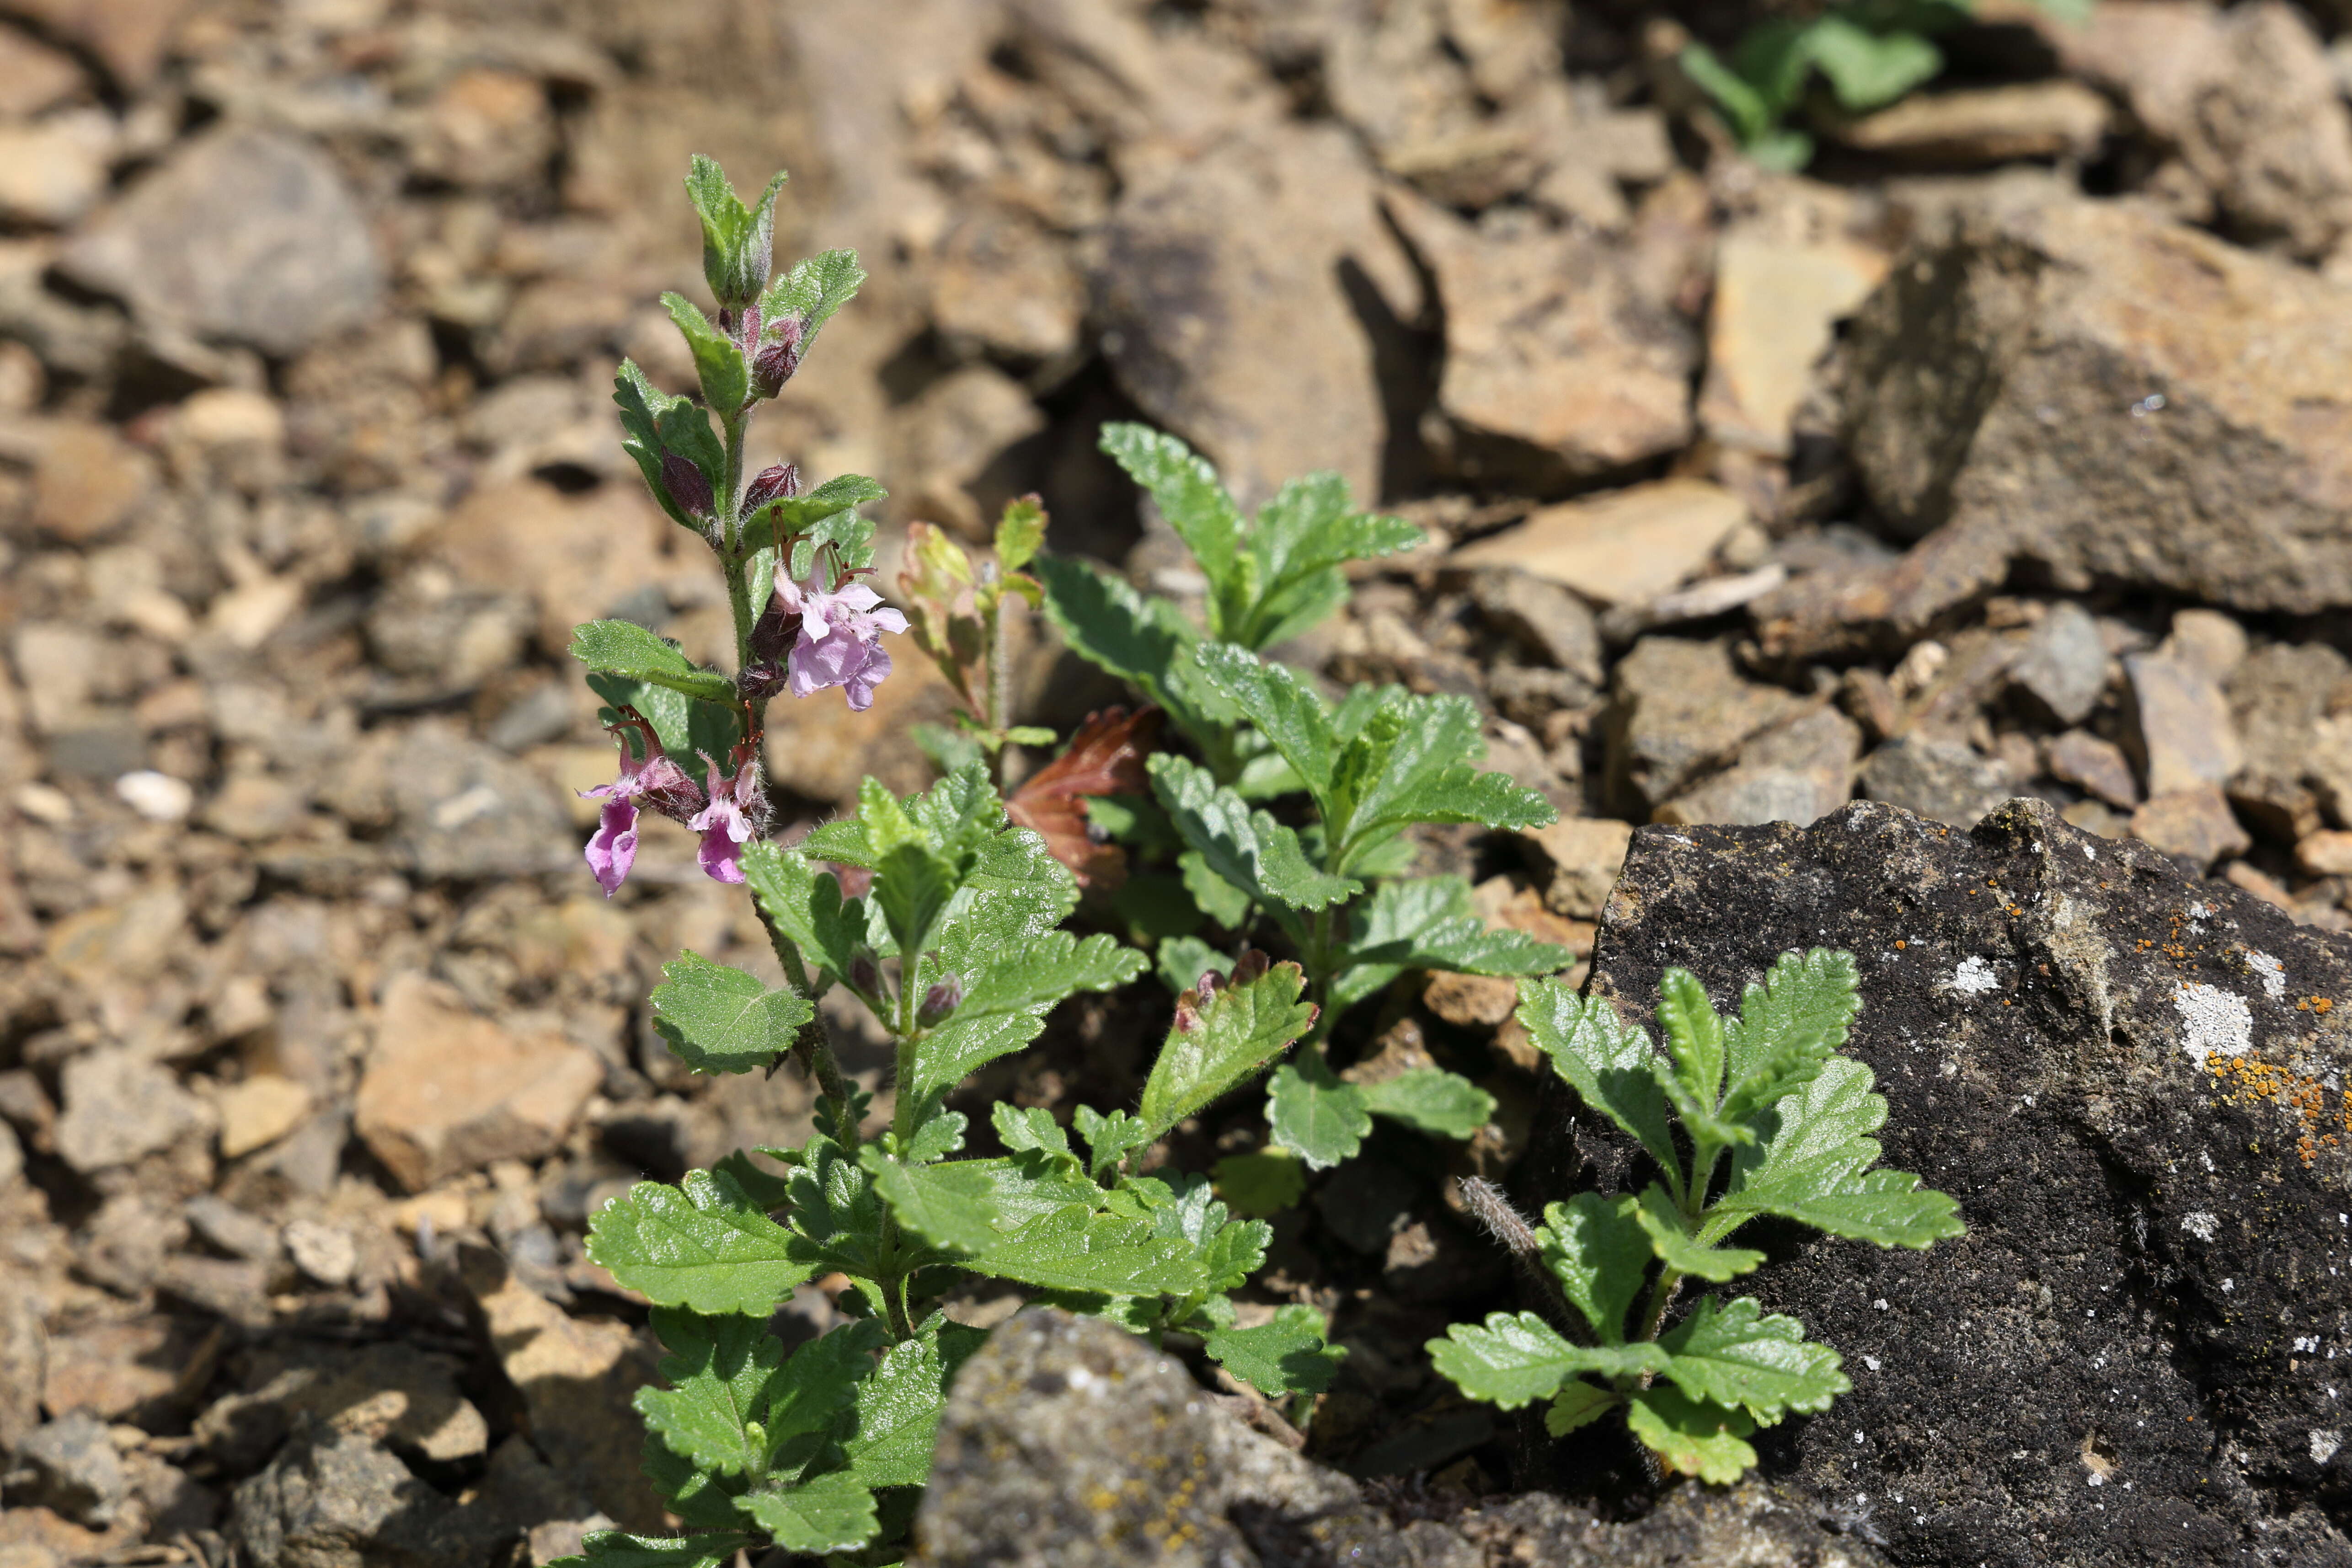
{"points": [[660, 783], [736, 815], [840, 640]]}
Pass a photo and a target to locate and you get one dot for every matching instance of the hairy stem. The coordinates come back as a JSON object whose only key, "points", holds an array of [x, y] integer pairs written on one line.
{"points": [[1492, 1208], [1000, 686], [1654, 1311], [814, 1044]]}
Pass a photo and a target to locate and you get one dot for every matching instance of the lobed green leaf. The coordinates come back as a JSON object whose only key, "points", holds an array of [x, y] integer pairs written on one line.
{"points": [[1812, 1163], [1735, 1356], [1432, 1100], [618, 1549], [1314, 1115], [626, 648], [831, 1512], [720, 1019], [1671, 1239], [1606, 1061], [1250, 850], [1517, 1358], [1692, 1438], [1216, 1044], [1596, 1248], [1287, 1355], [702, 1244]]}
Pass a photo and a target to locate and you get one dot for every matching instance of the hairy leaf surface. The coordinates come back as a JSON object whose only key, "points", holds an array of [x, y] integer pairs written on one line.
{"points": [[702, 1244], [720, 1019]]}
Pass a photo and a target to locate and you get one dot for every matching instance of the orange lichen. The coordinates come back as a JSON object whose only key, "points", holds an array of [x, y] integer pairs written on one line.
{"points": [[2252, 1080]]}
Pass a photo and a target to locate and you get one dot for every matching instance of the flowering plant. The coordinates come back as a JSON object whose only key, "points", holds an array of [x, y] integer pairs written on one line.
{"points": [[941, 915]]}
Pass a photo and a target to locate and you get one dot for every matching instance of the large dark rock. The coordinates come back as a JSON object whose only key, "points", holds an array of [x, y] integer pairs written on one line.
{"points": [[1071, 1444], [2141, 1352]]}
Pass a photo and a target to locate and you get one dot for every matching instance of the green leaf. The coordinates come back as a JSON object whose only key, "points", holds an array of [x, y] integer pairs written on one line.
{"points": [[1517, 1358], [1412, 762], [1234, 1249], [702, 1244], [1426, 922], [1182, 960], [1788, 1028], [1109, 1139], [836, 1216], [1187, 491], [1111, 626], [1694, 1034], [618, 1549], [1004, 1004], [806, 905], [1598, 1251], [1285, 709], [1020, 531], [1432, 1100], [825, 515], [1811, 1162], [1261, 1184], [1745, 110], [721, 1370], [898, 1405], [1869, 71], [1072, 1249], [642, 404], [1212, 894], [818, 1383], [1604, 1060], [737, 241], [623, 647], [1734, 1354], [951, 1206], [1250, 850], [1692, 1438], [697, 1496], [1314, 1115], [1678, 1249], [718, 1020], [810, 292], [1580, 1403], [1029, 1127], [1287, 1355], [1216, 1044], [725, 379], [831, 1512], [936, 1139]]}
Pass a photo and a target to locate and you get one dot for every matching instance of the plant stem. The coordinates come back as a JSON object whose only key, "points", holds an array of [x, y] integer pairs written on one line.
{"points": [[814, 1044], [1654, 1311], [1000, 683]]}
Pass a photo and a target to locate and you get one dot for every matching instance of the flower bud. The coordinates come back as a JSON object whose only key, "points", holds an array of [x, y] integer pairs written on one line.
{"points": [[1207, 985], [942, 999], [864, 975], [777, 359], [1250, 966], [686, 487], [774, 483]]}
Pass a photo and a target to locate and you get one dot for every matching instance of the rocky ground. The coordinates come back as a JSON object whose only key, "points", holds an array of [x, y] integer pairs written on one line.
{"points": [[2010, 454]]}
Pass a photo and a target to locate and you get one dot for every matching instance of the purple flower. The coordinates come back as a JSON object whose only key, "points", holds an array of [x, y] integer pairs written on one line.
{"points": [[660, 783], [841, 638], [736, 815]]}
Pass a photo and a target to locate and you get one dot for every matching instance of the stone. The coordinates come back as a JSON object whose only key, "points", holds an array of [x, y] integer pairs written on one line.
{"points": [[2064, 664], [1470, 1000], [1624, 547], [158, 797], [2032, 318], [255, 807], [999, 281], [69, 1465], [126, 36], [1207, 259], [255, 1112], [950, 438], [1799, 773], [1777, 301], [87, 480], [12, 1158], [33, 76], [2246, 97], [2088, 763], [1547, 621], [243, 234], [487, 128], [2326, 853], [1681, 708], [325, 1252], [118, 1370], [2194, 823], [1580, 855], [393, 1393], [120, 1106], [580, 557], [335, 1500], [460, 810], [576, 1376], [2176, 722], [446, 1090], [1944, 780], [2212, 641], [52, 170], [23, 1367], [231, 1228], [1067, 1444], [1557, 362], [1979, 126], [2153, 1108], [2281, 700]]}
